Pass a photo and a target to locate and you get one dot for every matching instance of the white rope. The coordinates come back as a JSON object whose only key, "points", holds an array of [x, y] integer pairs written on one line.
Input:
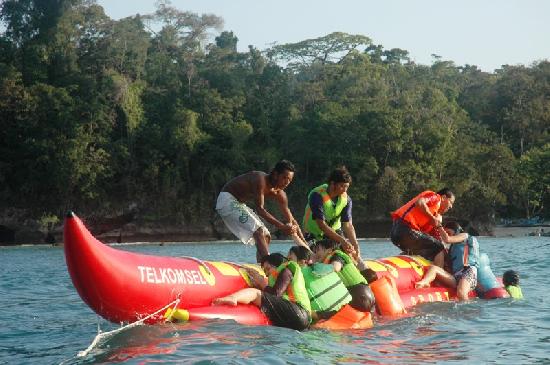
{"points": [[104, 335], [199, 261]]}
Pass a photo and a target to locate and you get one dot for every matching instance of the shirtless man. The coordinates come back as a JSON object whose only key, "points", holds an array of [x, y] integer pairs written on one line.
{"points": [[254, 187]]}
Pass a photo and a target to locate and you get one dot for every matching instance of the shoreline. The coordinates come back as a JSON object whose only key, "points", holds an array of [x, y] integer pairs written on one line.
{"points": [[161, 240], [503, 231]]}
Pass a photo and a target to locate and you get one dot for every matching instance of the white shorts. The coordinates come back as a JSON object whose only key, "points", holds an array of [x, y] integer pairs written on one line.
{"points": [[239, 218]]}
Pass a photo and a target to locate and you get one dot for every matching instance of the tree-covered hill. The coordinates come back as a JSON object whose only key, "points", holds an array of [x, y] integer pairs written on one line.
{"points": [[98, 115]]}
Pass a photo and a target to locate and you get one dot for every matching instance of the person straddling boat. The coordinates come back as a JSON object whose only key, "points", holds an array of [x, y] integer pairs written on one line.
{"points": [[283, 299], [328, 251], [510, 279], [256, 186], [413, 222], [326, 291], [328, 212], [464, 256]]}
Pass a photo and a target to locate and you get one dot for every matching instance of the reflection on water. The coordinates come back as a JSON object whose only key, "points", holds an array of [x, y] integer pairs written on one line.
{"points": [[45, 321], [226, 342]]}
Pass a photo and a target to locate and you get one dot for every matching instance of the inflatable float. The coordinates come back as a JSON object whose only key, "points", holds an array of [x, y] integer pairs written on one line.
{"points": [[123, 286]]}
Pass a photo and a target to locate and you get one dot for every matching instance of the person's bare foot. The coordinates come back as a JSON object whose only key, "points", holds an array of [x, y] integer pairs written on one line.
{"points": [[229, 300], [421, 284]]}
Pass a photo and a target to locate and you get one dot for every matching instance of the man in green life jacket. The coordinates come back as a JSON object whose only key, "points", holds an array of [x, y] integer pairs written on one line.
{"points": [[327, 251], [328, 212], [326, 291], [283, 298]]}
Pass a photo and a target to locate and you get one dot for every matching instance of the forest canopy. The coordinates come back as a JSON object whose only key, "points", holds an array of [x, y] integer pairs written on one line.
{"points": [[160, 110]]}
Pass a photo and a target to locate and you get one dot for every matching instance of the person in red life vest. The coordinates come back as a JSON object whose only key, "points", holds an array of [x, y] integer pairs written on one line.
{"points": [[283, 298], [413, 222], [328, 212], [464, 265], [255, 187]]}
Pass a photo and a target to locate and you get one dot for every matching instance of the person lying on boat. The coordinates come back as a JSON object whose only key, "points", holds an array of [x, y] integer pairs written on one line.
{"points": [[328, 251], [328, 211], [255, 187], [326, 291], [283, 299], [464, 256], [413, 222]]}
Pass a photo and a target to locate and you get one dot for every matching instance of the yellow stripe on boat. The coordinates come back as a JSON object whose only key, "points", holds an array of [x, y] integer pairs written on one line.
{"points": [[225, 269], [375, 265], [399, 262], [421, 260]]}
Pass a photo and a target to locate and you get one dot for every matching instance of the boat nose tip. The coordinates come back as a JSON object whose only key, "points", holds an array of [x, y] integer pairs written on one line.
{"points": [[70, 214]]}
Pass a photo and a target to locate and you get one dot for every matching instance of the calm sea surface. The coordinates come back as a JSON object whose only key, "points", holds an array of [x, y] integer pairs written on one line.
{"points": [[44, 321]]}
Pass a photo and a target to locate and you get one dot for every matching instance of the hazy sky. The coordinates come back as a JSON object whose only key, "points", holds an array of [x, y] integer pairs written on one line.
{"points": [[486, 33]]}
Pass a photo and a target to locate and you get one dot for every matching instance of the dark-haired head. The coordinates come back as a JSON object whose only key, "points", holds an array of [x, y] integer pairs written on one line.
{"points": [[510, 277], [274, 259], [447, 200], [446, 192], [454, 226], [282, 166], [327, 244], [282, 174], [301, 252], [340, 175]]}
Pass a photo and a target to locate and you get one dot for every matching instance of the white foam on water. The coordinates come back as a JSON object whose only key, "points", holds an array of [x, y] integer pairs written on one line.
{"points": [[102, 336]]}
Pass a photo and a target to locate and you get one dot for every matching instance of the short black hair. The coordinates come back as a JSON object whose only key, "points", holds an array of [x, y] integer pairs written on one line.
{"points": [[510, 277], [301, 252], [282, 166], [326, 243], [274, 259], [340, 175], [454, 226], [447, 192]]}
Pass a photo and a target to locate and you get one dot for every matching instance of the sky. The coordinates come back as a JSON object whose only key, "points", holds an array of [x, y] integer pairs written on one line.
{"points": [[486, 33]]}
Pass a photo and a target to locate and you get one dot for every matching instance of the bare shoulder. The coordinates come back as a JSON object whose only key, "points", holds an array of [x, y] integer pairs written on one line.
{"points": [[246, 186]]}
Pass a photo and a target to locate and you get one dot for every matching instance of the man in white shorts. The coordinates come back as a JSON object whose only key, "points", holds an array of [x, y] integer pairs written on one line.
{"points": [[254, 187]]}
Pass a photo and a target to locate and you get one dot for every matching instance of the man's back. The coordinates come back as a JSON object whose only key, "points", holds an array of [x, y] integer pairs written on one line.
{"points": [[246, 187]]}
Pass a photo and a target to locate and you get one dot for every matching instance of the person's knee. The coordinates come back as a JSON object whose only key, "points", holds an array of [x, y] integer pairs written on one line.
{"points": [[262, 233], [463, 290]]}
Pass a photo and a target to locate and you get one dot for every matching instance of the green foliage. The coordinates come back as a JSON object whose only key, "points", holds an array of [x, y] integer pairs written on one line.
{"points": [[96, 114]]}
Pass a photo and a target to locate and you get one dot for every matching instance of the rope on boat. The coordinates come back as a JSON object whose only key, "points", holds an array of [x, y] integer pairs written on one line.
{"points": [[199, 261], [241, 266], [104, 335]]}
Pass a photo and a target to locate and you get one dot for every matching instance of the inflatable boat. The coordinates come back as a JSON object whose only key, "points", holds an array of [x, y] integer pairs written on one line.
{"points": [[123, 286]]}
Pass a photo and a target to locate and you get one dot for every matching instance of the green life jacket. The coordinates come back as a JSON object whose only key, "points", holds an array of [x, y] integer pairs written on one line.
{"points": [[349, 274], [514, 291], [332, 212], [325, 288], [296, 290]]}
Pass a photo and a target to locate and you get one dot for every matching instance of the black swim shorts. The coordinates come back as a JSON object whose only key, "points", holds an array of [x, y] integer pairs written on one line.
{"points": [[362, 297], [413, 242], [284, 313]]}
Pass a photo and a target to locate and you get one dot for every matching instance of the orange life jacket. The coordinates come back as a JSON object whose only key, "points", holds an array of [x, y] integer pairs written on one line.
{"points": [[413, 216]]}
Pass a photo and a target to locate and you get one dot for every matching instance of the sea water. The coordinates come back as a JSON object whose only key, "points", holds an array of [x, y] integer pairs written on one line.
{"points": [[44, 321]]}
